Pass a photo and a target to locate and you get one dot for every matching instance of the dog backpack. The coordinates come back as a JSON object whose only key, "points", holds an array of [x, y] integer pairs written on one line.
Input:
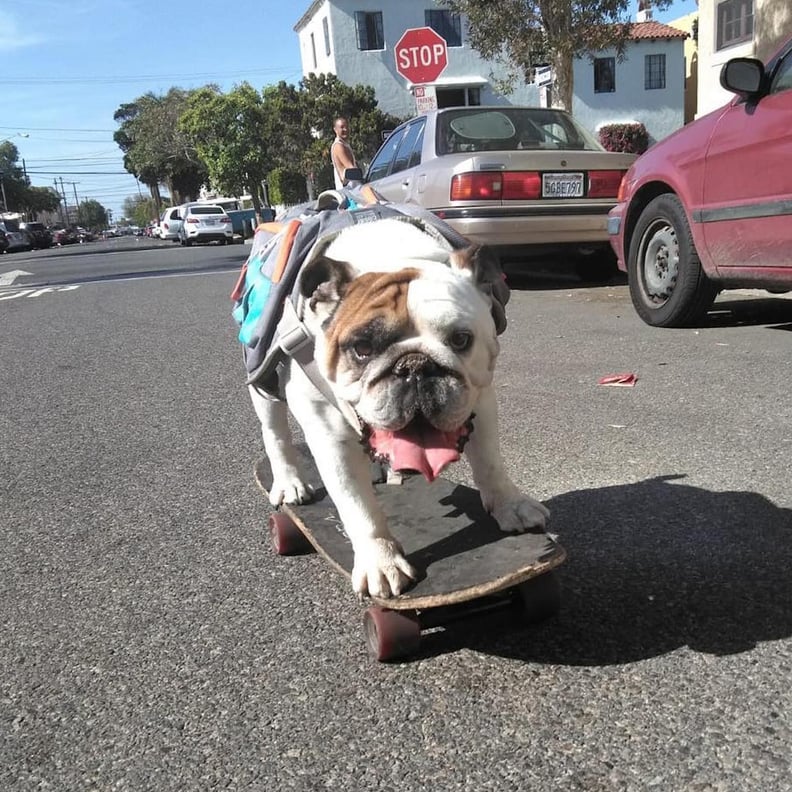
{"points": [[266, 300]]}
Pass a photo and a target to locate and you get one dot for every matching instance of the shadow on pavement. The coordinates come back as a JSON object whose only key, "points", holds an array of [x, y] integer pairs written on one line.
{"points": [[740, 312], [652, 567], [548, 275]]}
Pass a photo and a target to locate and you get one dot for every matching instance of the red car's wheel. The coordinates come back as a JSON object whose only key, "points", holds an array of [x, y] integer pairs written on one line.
{"points": [[668, 285], [391, 634], [287, 538]]}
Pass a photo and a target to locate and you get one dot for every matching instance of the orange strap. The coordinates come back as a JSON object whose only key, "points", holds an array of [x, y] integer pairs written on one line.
{"points": [[285, 249], [239, 287], [289, 232]]}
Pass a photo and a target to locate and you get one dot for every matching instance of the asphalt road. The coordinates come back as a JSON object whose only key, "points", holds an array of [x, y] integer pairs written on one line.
{"points": [[151, 641]]}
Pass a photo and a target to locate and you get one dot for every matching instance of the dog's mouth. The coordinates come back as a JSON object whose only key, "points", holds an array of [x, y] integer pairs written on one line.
{"points": [[418, 447]]}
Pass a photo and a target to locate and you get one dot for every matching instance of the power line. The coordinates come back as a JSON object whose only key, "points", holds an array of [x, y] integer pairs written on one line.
{"points": [[60, 129], [132, 78], [37, 172]]}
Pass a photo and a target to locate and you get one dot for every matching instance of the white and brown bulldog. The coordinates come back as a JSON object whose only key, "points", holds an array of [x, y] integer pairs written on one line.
{"points": [[405, 334]]}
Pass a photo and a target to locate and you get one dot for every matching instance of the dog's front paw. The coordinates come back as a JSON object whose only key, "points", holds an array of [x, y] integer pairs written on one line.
{"points": [[516, 513], [288, 487], [381, 570]]}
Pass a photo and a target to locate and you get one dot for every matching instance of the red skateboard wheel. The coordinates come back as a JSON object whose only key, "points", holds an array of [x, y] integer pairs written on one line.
{"points": [[287, 538], [391, 634]]}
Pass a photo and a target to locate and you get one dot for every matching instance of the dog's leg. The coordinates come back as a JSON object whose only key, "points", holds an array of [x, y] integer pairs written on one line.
{"points": [[288, 485], [514, 511], [380, 569]]}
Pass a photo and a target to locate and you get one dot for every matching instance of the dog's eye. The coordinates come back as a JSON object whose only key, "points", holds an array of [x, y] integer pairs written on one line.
{"points": [[362, 348], [460, 340]]}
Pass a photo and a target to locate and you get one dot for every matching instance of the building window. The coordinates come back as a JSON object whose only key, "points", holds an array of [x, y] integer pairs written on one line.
{"points": [[326, 29], [735, 22], [604, 75], [313, 49], [369, 30], [447, 24], [458, 97], [654, 72]]}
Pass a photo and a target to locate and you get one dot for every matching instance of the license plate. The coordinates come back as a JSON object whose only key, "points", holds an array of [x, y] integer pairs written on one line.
{"points": [[562, 185], [210, 221]]}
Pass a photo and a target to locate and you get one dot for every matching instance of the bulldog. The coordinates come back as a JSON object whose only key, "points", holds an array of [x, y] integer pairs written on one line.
{"points": [[405, 331]]}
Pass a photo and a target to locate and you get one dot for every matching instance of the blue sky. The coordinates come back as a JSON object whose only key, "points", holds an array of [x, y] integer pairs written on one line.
{"points": [[66, 67]]}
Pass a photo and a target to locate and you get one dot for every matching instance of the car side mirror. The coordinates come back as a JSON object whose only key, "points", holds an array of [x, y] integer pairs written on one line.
{"points": [[353, 174], [743, 76]]}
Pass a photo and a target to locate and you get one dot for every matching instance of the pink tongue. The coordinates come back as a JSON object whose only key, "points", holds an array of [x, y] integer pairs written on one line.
{"points": [[418, 447]]}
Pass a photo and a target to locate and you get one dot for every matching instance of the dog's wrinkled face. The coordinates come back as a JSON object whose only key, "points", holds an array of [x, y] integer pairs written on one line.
{"points": [[410, 349]]}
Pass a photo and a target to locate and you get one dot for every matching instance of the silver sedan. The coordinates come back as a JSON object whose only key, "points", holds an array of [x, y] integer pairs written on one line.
{"points": [[526, 180]]}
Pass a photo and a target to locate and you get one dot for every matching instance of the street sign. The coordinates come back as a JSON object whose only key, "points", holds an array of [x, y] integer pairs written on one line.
{"points": [[543, 75], [421, 55], [425, 98]]}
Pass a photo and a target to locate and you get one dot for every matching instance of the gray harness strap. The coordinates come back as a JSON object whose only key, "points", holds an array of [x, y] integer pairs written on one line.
{"points": [[297, 342]]}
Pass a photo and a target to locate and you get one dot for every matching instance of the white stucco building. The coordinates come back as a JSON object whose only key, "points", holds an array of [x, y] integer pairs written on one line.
{"points": [[647, 86], [355, 40], [733, 29]]}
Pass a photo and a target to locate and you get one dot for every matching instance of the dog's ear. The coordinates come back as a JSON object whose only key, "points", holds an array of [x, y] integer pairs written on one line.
{"points": [[323, 282], [487, 274]]}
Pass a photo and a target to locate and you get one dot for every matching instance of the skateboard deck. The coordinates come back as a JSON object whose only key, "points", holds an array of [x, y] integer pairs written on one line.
{"points": [[456, 546]]}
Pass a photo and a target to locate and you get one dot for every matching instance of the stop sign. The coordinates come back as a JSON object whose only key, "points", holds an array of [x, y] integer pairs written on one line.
{"points": [[421, 55]]}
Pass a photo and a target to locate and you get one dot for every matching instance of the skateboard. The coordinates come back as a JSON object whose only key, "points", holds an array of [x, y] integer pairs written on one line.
{"points": [[467, 566]]}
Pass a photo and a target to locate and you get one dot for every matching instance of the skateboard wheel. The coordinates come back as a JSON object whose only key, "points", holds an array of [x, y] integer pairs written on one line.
{"points": [[539, 598], [287, 538], [391, 634]]}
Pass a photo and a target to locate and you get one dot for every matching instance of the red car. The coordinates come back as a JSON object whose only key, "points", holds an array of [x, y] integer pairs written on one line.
{"points": [[710, 207]]}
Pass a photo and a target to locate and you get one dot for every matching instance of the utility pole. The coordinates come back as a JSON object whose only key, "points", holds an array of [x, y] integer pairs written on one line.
{"points": [[65, 204], [64, 215], [76, 200]]}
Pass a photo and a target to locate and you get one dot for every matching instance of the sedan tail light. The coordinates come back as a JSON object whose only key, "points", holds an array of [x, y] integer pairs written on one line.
{"points": [[605, 183], [496, 186], [477, 187], [522, 185], [225, 220], [192, 220]]}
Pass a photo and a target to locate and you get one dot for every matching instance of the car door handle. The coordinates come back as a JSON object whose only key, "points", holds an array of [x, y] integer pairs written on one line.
{"points": [[406, 183]]}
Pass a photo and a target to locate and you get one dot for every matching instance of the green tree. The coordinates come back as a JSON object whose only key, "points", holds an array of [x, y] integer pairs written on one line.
{"points": [[14, 184], [300, 125], [229, 133], [40, 199], [91, 214], [140, 210], [20, 195], [155, 150], [523, 33]]}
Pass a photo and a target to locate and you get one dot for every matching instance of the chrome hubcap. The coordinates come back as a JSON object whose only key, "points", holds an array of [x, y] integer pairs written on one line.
{"points": [[660, 260]]}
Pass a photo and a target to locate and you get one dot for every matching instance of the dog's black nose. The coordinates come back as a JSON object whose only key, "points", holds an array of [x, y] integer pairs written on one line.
{"points": [[416, 366]]}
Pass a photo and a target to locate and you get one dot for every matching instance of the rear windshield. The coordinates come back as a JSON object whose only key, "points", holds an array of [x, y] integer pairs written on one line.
{"points": [[472, 129], [206, 210]]}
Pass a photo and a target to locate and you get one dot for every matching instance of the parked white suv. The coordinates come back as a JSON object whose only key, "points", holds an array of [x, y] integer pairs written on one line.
{"points": [[170, 223], [205, 223]]}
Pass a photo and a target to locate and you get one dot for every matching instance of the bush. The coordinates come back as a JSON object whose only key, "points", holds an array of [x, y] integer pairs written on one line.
{"points": [[286, 187], [629, 138]]}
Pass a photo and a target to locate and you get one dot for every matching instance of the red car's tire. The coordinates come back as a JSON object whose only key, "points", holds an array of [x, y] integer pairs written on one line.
{"points": [[668, 286]]}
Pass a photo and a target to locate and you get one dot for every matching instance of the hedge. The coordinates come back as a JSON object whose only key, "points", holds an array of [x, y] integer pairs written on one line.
{"points": [[630, 138]]}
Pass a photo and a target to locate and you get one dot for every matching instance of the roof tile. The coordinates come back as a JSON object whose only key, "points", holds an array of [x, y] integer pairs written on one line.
{"points": [[655, 30]]}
